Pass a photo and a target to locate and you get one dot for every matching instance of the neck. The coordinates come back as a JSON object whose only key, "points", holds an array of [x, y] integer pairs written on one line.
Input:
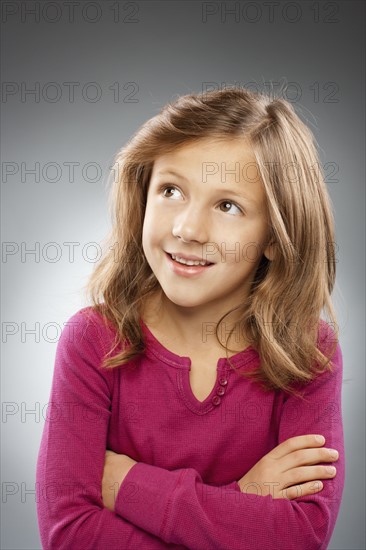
{"points": [[191, 328]]}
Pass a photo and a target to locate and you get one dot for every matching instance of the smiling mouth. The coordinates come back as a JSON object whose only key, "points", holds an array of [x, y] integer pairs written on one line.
{"points": [[190, 263]]}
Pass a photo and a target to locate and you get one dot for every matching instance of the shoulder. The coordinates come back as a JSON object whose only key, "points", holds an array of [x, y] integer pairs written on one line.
{"points": [[326, 379], [87, 328], [86, 338], [329, 380], [328, 342], [79, 356]]}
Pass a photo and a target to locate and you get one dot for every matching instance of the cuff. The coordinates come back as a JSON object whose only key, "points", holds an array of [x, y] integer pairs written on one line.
{"points": [[234, 485], [145, 495]]}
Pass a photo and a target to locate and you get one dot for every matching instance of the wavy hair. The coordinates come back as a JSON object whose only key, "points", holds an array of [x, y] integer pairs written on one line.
{"points": [[282, 314]]}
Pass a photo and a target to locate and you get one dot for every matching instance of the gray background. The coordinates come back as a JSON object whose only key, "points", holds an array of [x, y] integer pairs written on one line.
{"points": [[165, 49]]}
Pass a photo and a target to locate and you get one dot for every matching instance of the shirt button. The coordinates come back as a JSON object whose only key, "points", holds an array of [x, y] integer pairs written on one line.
{"points": [[220, 391], [216, 400], [223, 381]]}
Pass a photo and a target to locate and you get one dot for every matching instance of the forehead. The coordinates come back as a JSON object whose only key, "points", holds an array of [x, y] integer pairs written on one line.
{"points": [[235, 150], [228, 163]]}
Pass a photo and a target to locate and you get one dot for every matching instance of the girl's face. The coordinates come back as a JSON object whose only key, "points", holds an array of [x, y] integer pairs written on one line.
{"points": [[214, 208]]}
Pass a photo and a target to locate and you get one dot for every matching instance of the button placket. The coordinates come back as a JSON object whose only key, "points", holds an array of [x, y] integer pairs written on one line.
{"points": [[220, 391]]}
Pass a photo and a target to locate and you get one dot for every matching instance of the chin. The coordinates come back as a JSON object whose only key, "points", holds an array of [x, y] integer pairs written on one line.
{"points": [[182, 301]]}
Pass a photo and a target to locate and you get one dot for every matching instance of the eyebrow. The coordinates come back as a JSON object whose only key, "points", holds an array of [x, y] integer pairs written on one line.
{"points": [[240, 195]]}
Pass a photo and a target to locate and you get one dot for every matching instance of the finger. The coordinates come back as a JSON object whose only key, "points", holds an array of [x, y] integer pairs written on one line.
{"points": [[307, 473], [297, 491], [296, 443], [307, 457]]}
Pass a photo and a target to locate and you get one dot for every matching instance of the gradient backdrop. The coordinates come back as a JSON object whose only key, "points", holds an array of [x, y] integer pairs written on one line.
{"points": [[77, 80]]}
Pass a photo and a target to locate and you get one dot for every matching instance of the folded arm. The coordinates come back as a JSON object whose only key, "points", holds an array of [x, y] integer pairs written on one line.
{"points": [[159, 508], [205, 517]]}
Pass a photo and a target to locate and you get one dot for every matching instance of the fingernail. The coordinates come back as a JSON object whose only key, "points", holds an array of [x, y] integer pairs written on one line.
{"points": [[331, 469], [320, 438], [333, 454]]}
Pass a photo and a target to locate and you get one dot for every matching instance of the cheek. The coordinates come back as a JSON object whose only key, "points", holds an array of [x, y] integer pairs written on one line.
{"points": [[146, 230], [152, 212], [157, 216], [152, 226], [247, 248], [149, 218]]}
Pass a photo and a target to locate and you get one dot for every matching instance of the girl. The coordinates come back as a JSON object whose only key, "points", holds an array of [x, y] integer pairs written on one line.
{"points": [[222, 239]]}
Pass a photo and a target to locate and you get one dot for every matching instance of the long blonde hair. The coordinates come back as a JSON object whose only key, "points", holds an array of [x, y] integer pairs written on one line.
{"points": [[288, 294]]}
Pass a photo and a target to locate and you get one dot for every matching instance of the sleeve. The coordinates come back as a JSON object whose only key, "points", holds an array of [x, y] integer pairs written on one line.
{"points": [[206, 517], [71, 457]]}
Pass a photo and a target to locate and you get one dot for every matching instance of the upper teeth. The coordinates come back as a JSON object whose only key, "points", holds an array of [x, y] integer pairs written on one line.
{"points": [[188, 262]]}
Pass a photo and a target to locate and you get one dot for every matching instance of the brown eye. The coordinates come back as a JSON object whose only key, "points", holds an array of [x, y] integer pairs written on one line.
{"points": [[163, 188], [231, 204]]}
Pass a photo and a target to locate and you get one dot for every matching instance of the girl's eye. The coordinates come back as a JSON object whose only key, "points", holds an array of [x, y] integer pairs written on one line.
{"points": [[233, 204], [164, 188], [171, 187]]}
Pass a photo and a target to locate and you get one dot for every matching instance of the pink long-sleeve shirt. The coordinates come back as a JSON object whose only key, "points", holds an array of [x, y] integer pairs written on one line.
{"points": [[183, 491]]}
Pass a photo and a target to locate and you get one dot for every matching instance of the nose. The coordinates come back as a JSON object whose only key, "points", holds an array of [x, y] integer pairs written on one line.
{"points": [[191, 225]]}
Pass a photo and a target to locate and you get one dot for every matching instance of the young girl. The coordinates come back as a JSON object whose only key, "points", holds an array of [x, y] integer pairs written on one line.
{"points": [[187, 401]]}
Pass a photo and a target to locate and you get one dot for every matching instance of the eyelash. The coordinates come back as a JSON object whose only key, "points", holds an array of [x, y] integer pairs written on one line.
{"points": [[164, 187]]}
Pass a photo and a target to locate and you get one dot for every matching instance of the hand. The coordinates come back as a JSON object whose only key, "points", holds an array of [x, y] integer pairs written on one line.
{"points": [[280, 473], [116, 467]]}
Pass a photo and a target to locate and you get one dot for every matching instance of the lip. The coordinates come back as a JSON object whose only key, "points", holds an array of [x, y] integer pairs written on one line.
{"points": [[186, 270]]}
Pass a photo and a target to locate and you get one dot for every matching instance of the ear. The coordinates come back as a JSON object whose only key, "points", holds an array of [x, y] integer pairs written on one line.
{"points": [[269, 251]]}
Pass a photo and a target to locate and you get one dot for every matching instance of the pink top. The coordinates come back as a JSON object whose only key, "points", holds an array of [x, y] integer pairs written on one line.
{"points": [[183, 492]]}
